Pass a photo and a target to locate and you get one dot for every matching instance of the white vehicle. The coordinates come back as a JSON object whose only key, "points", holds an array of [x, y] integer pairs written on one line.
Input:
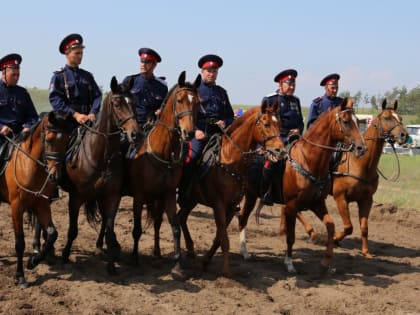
{"points": [[414, 133]]}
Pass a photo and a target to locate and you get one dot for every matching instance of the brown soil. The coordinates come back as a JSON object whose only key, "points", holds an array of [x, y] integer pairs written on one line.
{"points": [[387, 284]]}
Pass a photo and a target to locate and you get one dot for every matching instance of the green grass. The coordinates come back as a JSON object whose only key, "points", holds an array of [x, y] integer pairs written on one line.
{"points": [[404, 192]]}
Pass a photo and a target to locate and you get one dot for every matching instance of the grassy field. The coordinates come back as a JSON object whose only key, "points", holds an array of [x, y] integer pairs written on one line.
{"points": [[404, 192]]}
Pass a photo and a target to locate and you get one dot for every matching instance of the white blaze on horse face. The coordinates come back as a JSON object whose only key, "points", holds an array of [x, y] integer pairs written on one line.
{"points": [[396, 116], [274, 118], [190, 98]]}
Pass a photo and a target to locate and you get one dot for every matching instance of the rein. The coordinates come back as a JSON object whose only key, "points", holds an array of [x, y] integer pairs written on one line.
{"points": [[54, 156], [174, 161]]}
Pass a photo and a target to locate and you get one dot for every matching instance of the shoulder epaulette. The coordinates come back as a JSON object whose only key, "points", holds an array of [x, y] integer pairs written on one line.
{"points": [[61, 70], [317, 100], [161, 80], [271, 94]]}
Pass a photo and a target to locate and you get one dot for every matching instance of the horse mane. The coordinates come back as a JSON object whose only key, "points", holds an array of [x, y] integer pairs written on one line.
{"points": [[238, 122], [187, 85]]}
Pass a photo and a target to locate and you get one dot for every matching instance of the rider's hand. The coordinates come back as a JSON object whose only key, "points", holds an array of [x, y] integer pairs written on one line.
{"points": [[91, 117], [5, 130], [80, 118], [221, 124], [200, 135]]}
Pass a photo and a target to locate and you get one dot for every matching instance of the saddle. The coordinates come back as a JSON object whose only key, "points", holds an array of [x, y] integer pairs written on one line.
{"points": [[75, 141], [6, 150], [210, 155]]}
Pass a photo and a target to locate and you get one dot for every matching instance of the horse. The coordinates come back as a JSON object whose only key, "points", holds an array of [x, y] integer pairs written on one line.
{"points": [[356, 179], [306, 180], [30, 178], [159, 162], [93, 176], [224, 184]]}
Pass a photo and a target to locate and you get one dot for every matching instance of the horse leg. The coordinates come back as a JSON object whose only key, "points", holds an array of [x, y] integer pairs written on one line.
{"points": [[308, 228], [17, 220], [220, 216], [136, 233], [243, 222], [100, 239], [183, 217], [109, 207], [343, 209], [43, 214], [290, 225], [73, 230], [157, 223], [36, 242], [322, 214], [364, 210]]}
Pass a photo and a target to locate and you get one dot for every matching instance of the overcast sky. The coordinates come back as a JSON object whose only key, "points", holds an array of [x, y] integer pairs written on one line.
{"points": [[374, 45]]}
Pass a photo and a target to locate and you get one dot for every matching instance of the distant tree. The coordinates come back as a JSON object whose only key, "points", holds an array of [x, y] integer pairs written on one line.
{"points": [[366, 99], [373, 102], [357, 98]]}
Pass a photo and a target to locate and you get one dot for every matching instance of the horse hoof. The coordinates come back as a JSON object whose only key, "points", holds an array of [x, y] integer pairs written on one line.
{"points": [[21, 283], [178, 273], [112, 271], [32, 263], [368, 255]]}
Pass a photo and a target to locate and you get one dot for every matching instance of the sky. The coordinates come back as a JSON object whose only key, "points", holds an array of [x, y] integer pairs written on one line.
{"points": [[373, 45]]}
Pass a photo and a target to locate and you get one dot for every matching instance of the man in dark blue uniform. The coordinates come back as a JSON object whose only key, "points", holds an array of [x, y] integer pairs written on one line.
{"points": [[148, 90], [290, 114], [73, 90], [215, 114], [17, 111], [326, 102]]}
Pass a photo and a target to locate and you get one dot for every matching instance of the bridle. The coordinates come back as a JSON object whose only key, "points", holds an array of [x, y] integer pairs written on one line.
{"points": [[340, 148], [384, 134], [47, 156], [175, 128]]}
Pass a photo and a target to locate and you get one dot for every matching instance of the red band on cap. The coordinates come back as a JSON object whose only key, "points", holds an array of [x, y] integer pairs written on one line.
{"points": [[149, 57], [72, 42], [210, 64], [331, 81], [8, 63], [286, 77]]}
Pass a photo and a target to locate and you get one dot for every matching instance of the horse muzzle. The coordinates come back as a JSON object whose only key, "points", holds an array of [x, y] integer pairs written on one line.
{"points": [[358, 150], [187, 135], [275, 155]]}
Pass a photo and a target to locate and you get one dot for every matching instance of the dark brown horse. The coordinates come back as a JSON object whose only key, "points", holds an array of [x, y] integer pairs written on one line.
{"points": [[356, 179], [156, 169], [223, 186], [306, 179], [94, 174], [30, 178]]}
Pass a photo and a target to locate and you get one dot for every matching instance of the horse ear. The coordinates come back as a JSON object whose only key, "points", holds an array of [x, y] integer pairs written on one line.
{"points": [[264, 105], [130, 83], [181, 78], [344, 103], [197, 81], [114, 84], [384, 104], [395, 104], [51, 117]]}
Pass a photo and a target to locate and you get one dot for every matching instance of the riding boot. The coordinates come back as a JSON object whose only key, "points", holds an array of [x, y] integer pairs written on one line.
{"points": [[185, 186], [266, 184]]}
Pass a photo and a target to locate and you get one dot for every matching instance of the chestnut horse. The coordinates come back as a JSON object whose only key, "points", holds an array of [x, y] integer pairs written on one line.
{"points": [[306, 180], [356, 179], [158, 162], [223, 186], [94, 174], [30, 178]]}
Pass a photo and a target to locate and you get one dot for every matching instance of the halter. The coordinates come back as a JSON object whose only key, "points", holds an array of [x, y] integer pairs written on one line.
{"points": [[46, 156], [175, 128], [335, 149]]}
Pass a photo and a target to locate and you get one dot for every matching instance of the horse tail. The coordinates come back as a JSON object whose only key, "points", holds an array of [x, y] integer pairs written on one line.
{"points": [[91, 210]]}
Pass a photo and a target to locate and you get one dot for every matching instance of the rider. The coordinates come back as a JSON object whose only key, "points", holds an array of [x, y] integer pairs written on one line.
{"points": [[327, 101], [148, 90], [215, 114], [17, 111], [74, 90], [290, 113]]}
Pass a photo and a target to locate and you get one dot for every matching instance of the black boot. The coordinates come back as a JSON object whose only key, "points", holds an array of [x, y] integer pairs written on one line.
{"points": [[185, 186], [266, 183]]}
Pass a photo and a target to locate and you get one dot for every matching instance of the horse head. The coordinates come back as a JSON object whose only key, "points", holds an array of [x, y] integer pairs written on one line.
{"points": [[346, 128], [268, 134], [184, 101], [56, 130], [121, 104], [389, 124]]}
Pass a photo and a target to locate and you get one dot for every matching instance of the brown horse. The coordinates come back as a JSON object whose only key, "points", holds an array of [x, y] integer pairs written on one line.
{"points": [[306, 179], [356, 179], [30, 178], [158, 162], [223, 186], [94, 174]]}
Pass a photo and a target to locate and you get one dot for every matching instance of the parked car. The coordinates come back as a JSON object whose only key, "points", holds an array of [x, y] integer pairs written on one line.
{"points": [[414, 134]]}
